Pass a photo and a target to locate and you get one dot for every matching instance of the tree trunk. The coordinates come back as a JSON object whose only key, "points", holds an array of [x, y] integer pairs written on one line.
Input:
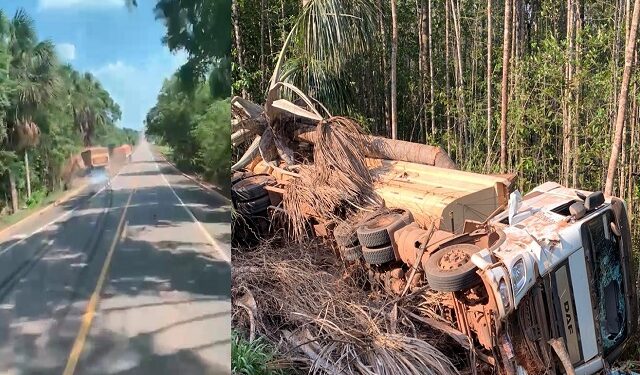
{"points": [[421, 16], [431, 89], [14, 191], [489, 79], [461, 114], [622, 99], [447, 83], [28, 173], [566, 108], [263, 67], [394, 58], [577, 129], [236, 29], [422, 24], [390, 149], [506, 44], [383, 37]]}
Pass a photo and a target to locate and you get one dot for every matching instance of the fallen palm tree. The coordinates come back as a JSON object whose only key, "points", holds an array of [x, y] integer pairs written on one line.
{"points": [[326, 155], [251, 123]]}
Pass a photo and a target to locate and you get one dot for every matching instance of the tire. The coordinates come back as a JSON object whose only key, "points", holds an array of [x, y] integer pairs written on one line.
{"points": [[237, 176], [352, 253], [251, 188], [378, 255], [461, 277], [345, 235], [375, 232], [257, 206]]}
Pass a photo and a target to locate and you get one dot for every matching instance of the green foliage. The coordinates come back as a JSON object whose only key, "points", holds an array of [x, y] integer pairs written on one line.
{"points": [[37, 197], [194, 26], [214, 141], [251, 358], [195, 126]]}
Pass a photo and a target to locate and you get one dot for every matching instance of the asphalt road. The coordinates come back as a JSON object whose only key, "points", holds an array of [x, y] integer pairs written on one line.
{"points": [[132, 280]]}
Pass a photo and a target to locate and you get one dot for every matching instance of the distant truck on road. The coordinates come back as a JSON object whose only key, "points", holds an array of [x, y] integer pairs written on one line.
{"points": [[95, 157], [122, 152]]}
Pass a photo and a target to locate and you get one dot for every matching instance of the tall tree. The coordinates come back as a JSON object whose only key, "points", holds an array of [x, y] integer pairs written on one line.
{"points": [[238, 39], [488, 79], [385, 84], [394, 61], [567, 97], [432, 109], [622, 99], [506, 50]]}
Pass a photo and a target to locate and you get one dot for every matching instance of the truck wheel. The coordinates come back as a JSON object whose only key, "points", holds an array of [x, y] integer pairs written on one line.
{"points": [[253, 207], [251, 188], [239, 175], [375, 232], [451, 270], [378, 255], [352, 253], [345, 235]]}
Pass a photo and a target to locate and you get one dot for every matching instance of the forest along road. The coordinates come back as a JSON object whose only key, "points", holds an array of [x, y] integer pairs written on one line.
{"points": [[133, 280]]}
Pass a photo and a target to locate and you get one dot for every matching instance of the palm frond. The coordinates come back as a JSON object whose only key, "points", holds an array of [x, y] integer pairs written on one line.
{"points": [[44, 54], [23, 29], [333, 31]]}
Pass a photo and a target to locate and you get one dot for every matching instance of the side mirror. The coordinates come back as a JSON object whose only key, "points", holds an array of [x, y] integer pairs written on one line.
{"points": [[594, 200], [577, 210]]}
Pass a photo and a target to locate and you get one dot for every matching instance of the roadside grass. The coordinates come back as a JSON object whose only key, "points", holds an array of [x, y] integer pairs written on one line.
{"points": [[36, 203], [165, 150], [255, 358], [187, 166]]}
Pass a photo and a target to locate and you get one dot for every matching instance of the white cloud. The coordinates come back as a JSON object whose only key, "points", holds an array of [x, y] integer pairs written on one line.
{"points": [[65, 4], [66, 51], [114, 70], [135, 87]]}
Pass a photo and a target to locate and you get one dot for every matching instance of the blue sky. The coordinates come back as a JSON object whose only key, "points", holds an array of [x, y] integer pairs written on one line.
{"points": [[121, 47]]}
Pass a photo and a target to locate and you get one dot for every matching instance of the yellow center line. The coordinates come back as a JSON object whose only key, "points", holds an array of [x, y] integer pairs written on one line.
{"points": [[90, 312]]}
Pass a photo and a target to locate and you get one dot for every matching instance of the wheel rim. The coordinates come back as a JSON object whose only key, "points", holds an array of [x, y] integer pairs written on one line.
{"points": [[453, 260]]}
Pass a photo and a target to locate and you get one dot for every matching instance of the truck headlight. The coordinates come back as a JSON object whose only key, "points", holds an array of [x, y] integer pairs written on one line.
{"points": [[504, 293], [518, 275]]}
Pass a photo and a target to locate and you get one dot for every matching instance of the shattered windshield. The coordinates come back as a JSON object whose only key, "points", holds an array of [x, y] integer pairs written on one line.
{"points": [[608, 280]]}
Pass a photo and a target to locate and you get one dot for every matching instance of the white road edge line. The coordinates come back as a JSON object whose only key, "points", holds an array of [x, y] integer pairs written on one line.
{"points": [[57, 218], [212, 241]]}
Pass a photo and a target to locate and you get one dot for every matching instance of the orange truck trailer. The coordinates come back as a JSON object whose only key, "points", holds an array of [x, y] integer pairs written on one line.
{"points": [[95, 157], [122, 152]]}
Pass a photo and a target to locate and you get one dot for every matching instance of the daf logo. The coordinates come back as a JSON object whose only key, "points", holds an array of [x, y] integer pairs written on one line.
{"points": [[567, 316]]}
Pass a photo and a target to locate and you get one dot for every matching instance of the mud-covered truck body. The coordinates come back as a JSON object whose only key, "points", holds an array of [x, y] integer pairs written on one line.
{"points": [[122, 153], [95, 157], [533, 284]]}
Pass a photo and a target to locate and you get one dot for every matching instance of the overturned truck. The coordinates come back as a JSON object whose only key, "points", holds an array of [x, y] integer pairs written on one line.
{"points": [[540, 283]]}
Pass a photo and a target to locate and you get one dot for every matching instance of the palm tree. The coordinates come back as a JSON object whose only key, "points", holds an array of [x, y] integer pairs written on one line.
{"points": [[31, 67], [89, 104], [325, 37]]}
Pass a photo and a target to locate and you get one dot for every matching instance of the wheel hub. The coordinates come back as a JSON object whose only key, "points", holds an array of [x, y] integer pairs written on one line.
{"points": [[454, 259]]}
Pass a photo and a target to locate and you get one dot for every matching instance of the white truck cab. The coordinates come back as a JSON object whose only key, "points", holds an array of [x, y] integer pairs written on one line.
{"points": [[560, 269]]}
